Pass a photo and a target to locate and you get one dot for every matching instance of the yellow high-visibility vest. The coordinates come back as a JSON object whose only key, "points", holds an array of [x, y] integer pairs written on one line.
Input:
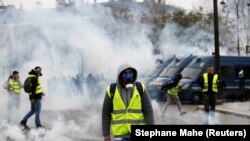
{"points": [[14, 86], [214, 83], [38, 87], [174, 90], [122, 117]]}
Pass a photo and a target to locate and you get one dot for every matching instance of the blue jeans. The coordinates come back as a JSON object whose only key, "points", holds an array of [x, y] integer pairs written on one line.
{"points": [[35, 109]]}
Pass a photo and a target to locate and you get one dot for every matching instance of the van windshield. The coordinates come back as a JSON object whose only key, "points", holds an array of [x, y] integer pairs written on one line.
{"points": [[154, 72], [169, 72], [190, 73]]}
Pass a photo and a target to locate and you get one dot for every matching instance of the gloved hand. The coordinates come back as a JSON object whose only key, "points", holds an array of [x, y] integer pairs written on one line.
{"points": [[32, 101]]}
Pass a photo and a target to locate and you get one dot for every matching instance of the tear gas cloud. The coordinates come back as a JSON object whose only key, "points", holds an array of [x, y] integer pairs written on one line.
{"points": [[69, 46], [79, 52]]}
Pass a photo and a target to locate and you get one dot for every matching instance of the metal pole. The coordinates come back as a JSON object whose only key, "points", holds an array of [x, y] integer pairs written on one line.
{"points": [[216, 39], [216, 46], [237, 24], [248, 25]]}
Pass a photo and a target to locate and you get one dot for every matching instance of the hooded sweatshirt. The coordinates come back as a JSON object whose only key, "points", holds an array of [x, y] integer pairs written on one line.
{"points": [[126, 95]]}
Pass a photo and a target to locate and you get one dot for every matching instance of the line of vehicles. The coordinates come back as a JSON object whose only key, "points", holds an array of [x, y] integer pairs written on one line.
{"points": [[192, 67]]}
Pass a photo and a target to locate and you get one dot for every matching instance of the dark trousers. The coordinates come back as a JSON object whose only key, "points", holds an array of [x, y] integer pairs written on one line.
{"points": [[242, 89], [209, 101], [35, 108]]}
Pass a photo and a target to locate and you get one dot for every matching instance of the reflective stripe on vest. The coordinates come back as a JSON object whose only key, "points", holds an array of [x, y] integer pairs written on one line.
{"points": [[214, 83], [123, 118], [14, 86], [174, 90], [38, 87]]}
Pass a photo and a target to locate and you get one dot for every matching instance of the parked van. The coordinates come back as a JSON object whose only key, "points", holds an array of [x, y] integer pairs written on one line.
{"points": [[229, 67], [166, 75], [154, 73]]}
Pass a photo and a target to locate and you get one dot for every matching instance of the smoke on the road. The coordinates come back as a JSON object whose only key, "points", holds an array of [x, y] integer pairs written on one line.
{"points": [[79, 53]]}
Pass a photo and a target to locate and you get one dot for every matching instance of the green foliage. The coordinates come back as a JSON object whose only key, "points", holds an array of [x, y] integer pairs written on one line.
{"points": [[159, 19], [183, 19], [198, 20]]}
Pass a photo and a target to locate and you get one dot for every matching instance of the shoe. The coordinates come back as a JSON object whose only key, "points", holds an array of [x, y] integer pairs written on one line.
{"points": [[40, 127], [182, 113], [23, 124], [205, 123]]}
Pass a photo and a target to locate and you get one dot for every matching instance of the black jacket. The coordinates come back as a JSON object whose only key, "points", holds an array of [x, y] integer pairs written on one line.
{"points": [[34, 82], [170, 85]]}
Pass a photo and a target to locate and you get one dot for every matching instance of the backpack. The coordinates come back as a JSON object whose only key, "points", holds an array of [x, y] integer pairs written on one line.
{"points": [[27, 85], [6, 85], [113, 87]]}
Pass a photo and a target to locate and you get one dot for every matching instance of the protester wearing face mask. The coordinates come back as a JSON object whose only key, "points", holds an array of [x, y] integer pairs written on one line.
{"points": [[126, 103], [35, 97]]}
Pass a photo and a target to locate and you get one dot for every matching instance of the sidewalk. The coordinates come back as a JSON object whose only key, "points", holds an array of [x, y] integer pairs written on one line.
{"points": [[236, 108]]}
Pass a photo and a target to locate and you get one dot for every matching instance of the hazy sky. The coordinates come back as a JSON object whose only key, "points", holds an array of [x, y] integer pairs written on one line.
{"points": [[30, 4]]}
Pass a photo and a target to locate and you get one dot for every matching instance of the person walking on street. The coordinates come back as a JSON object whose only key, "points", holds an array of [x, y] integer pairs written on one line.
{"points": [[209, 84], [173, 89], [35, 97], [241, 77], [13, 87], [126, 103]]}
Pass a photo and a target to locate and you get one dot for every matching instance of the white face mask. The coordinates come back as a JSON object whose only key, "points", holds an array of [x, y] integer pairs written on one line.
{"points": [[129, 86]]}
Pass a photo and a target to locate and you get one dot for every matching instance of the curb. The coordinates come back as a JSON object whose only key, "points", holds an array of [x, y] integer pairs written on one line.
{"points": [[221, 110]]}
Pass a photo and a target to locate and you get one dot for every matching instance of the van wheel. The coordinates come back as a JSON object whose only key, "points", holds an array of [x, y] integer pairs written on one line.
{"points": [[196, 98]]}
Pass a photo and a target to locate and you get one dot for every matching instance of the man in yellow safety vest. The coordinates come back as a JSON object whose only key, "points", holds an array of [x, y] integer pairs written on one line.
{"points": [[172, 89], [35, 97], [126, 103], [209, 84], [13, 86]]}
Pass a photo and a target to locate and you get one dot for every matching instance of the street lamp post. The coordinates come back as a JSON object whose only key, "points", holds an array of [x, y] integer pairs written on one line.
{"points": [[237, 24], [216, 46], [248, 19], [216, 39]]}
